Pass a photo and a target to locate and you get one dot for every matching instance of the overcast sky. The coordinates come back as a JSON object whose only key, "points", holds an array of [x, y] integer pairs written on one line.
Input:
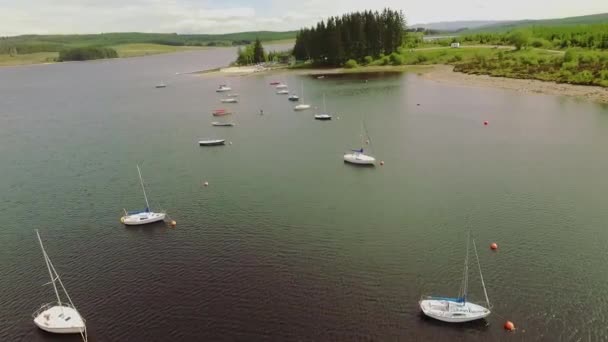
{"points": [[204, 16]]}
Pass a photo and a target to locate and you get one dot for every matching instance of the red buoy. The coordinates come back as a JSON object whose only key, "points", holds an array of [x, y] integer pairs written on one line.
{"points": [[494, 246], [485, 123], [509, 326]]}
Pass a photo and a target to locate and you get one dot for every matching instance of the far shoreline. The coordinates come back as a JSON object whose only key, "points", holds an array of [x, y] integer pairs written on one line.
{"points": [[440, 73]]}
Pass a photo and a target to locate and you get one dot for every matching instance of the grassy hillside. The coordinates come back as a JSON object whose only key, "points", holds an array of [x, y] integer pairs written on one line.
{"points": [[54, 43], [601, 18]]}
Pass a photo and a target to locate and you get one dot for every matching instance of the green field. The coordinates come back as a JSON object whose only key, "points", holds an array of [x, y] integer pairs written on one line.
{"points": [[601, 18], [34, 49]]}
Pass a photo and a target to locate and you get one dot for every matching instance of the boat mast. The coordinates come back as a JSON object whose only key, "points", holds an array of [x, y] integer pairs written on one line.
{"points": [[324, 107], [46, 260], [143, 188], [465, 279], [302, 85], [485, 292]]}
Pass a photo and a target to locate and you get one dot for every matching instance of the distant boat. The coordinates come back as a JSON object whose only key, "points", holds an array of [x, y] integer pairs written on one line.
{"points": [[233, 95], [143, 216], [457, 310], [222, 124], [294, 98], [281, 86], [302, 106], [229, 100], [283, 92], [212, 142], [223, 88], [323, 116], [161, 85], [275, 83], [320, 77], [221, 112], [60, 317], [358, 157]]}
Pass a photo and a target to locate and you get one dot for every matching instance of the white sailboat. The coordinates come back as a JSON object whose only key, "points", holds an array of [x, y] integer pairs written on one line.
{"points": [[283, 92], [323, 116], [139, 217], [302, 106], [358, 157], [61, 317], [281, 86], [457, 310], [223, 88]]}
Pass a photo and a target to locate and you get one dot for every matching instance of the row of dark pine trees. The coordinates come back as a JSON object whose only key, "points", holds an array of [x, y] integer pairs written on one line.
{"points": [[352, 36]]}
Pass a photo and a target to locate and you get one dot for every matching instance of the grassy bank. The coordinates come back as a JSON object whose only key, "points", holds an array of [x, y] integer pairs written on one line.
{"points": [[30, 58]]}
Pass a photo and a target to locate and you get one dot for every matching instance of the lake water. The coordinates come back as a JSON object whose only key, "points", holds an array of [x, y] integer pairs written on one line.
{"points": [[288, 242]]}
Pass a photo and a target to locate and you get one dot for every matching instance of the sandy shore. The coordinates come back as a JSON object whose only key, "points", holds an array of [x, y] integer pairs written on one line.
{"points": [[445, 74]]}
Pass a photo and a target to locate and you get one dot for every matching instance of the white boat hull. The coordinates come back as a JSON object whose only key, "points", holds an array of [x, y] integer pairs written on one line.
{"points": [[59, 320], [359, 159], [281, 86], [217, 142], [229, 101], [301, 107], [323, 117], [453, 312], [142, 218]]}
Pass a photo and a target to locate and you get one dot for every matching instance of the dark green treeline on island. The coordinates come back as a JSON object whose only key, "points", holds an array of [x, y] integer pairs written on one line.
{"points": [[86, 53], [353, 36]]}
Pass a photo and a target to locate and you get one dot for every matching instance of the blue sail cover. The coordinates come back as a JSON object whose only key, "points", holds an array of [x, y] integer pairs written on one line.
{"points": [[359, 150], [146, 210], [450, 299]]}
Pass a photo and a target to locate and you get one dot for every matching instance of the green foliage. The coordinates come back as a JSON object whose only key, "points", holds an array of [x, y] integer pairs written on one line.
{"points": [[86, 53], [55, 43], [520, 38], [569, 56], [590, 36], [368, 60], [396, 59], [258, 52], [351, 64], [351, 36]]}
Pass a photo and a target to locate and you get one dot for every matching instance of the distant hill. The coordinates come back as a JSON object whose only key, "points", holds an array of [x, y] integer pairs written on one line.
{"points": [[451, 26], [601, 18], [55, 43], [505, 25]]}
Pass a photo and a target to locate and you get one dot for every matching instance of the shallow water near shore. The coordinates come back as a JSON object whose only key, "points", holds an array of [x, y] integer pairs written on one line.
{"points": [[287, 242]]}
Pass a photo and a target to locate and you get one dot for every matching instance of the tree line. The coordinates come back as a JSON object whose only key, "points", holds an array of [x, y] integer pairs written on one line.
{"points": [[86, 53], [254, 53], [352, 36], [594, 36]]}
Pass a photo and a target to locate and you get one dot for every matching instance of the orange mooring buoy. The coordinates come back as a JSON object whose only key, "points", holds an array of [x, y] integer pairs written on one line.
{"points": [[173, 224], [509, 326], [494, 246]]}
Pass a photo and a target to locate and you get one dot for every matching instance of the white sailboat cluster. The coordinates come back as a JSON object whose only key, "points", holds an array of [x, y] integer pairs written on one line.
{"points": [[60, 317], [459, 309], [144, 216]]}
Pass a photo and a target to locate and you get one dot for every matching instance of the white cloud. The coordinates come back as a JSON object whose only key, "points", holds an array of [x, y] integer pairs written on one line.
{"points": [[206, 16]]}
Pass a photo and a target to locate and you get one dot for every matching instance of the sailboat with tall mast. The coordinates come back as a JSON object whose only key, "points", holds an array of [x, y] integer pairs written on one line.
{"points": [[459, 309], [143, 216], [61, 317], [358, 157], [323, 116], [302, 106]]}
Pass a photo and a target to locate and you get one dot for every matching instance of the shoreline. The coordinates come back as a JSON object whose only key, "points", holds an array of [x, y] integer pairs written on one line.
{"points": [[440, 73], [446, 74]]}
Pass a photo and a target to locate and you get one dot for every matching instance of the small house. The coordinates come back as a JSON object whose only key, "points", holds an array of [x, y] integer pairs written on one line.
{"points": [[455, 45]]}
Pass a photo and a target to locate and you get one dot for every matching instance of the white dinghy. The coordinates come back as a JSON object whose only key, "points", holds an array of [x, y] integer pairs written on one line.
{"points": [[144, 216], [61, 317], [457, 310]]}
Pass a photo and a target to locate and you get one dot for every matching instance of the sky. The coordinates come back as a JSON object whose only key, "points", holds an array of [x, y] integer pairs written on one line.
{"points": [[205, 16]]}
